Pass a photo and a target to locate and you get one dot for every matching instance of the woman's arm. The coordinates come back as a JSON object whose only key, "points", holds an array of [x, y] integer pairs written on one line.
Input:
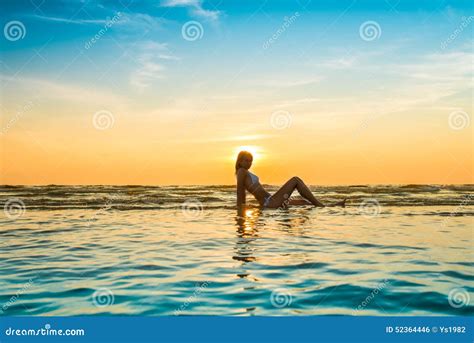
{"points": [[241, 175]]}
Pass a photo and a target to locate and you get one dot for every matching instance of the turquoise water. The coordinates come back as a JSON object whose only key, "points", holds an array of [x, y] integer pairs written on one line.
{"points": [[184, 251]]}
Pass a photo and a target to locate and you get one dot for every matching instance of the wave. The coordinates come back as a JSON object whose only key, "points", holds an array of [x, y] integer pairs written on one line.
{"points": [[138, 197]]}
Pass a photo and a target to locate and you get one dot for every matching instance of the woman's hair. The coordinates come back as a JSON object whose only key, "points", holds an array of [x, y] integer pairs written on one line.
{"points": [[240, 156]]}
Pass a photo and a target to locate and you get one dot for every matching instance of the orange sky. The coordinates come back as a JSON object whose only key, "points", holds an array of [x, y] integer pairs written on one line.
{"points": [[385, 151], [147, 105]]}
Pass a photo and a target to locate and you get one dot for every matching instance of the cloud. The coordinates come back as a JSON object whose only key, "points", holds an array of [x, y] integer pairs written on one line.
{"points": [[149, 58], [434, 78], [139, 22], [168, 57], [45, 88], [242, 138], [195, 7], [296, 102], [346, 62], [72, 21], [144, 76], [454, 66], [142, 22], [424, 81], [288, 83]]}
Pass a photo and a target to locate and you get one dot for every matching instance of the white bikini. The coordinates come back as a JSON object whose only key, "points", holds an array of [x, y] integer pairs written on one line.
{"points": [[254, 178], [255, 181]]}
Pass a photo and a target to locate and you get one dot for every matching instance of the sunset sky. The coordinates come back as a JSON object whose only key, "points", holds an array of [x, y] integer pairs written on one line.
{"points": [[346, 92]]}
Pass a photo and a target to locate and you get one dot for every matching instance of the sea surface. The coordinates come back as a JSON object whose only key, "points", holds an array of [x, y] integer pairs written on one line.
{"points": [[183, 250]]}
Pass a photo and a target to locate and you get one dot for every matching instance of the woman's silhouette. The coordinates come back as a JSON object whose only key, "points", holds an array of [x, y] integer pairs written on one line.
{"points": [[247, 181]]}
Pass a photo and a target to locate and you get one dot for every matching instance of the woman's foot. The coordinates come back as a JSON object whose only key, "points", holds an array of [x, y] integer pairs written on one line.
{"points": [[342, 203]]}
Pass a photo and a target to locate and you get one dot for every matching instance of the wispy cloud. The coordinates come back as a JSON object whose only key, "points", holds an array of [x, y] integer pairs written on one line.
{"points": [[243, 138], [71, 21], [195, 7], [50, 89], [131, 21], [150, 56], [441, 67], [296, 102], [288, 83], [345, 62], [142, 22]]}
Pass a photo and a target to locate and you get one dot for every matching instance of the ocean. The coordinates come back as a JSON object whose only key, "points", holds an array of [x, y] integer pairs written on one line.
{"points": [[183, 250]]}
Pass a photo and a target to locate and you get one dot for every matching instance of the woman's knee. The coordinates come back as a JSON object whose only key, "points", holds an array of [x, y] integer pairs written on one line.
{"points": [[296, 179]]}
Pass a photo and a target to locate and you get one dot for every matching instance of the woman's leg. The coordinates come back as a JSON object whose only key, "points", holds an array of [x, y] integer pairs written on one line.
{"points": [[282, 196]]}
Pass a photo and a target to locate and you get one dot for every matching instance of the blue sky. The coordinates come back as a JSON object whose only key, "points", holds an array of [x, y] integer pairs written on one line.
{"points": [[252, 58], [233, 32]]}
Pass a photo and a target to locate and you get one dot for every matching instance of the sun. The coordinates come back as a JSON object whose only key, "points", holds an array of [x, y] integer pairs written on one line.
{"points": [[256, 151]]}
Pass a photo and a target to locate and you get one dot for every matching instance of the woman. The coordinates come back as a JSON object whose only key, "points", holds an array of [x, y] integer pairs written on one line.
{"points": [[247, 181]]}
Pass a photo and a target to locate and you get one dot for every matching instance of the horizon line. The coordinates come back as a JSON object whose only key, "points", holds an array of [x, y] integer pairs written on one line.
{"points": [[227, 185]]}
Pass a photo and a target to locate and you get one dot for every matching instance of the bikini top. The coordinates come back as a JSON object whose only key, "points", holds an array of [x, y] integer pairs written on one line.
{"points": [[255, 181], [254, 178]]}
